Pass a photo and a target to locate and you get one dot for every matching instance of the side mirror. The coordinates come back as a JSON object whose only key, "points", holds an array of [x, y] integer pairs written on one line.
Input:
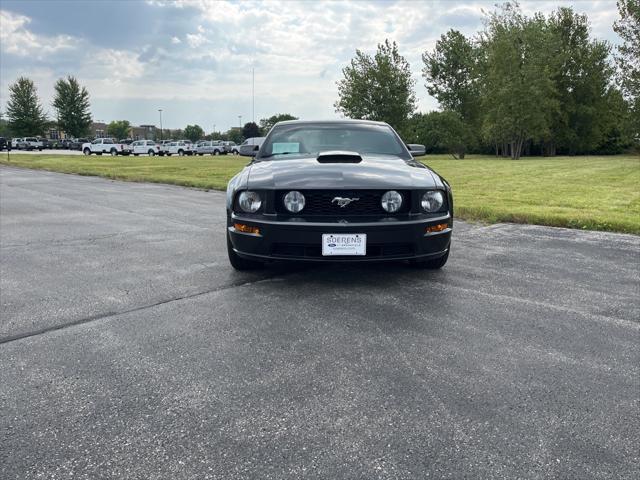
{"points": [[416, 150]]}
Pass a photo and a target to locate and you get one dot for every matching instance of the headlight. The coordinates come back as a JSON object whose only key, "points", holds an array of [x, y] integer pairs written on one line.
{"points": [[432, 201], [249, 201], [294, 201], [391, 201]]}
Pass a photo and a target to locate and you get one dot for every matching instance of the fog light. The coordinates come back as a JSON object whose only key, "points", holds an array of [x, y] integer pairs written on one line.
{"points": [[437, 228], [241, 227]]}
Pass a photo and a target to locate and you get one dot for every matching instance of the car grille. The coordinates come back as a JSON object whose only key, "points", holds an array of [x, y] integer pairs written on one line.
{"points": [[321, 202]]}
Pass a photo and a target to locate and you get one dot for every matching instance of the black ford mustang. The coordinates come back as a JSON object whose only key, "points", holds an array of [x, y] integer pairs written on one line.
{"points": [[347, 190]]}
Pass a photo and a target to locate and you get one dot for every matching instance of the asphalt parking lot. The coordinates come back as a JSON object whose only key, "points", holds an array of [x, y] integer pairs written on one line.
{"points": [[130, 349]]}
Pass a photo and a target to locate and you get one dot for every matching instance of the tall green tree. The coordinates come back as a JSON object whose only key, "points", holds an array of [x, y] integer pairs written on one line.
{"points": [[119, 129], [519, 95], [582, 74], [267, 123], [378, 87], [450, 73], [251, 130], [193, 132], [628, 58], [24, 110], [72, 105]]}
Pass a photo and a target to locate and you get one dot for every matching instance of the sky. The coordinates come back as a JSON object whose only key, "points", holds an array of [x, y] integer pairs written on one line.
{"points": [[194, 58]]}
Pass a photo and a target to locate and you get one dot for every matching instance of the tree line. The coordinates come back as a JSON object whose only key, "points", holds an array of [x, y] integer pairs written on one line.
{"points": [[26, 116], [522, 85]]}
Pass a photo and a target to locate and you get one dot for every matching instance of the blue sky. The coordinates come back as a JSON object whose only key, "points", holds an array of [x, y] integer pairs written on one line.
{"points": [[194, 58]]}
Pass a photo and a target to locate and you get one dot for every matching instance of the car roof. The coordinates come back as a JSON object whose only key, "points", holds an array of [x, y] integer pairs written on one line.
{"points": [[330, 122]]}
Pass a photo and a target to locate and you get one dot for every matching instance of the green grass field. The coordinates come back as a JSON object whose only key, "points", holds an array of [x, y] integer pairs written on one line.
{"points": [[595, 193]]}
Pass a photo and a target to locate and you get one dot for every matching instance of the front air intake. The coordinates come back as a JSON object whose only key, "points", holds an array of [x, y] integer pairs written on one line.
{"points": [[339, 157]]}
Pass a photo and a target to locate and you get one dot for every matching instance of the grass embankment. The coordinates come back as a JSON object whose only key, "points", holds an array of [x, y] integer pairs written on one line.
{"points": [[596, 193]]}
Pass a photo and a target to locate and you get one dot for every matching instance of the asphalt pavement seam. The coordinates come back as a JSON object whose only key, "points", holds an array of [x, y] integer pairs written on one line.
{"points": [[102, 316]]}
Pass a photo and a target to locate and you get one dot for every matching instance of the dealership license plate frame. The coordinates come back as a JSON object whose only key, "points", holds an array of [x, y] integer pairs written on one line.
{"points": [[344, 244]]}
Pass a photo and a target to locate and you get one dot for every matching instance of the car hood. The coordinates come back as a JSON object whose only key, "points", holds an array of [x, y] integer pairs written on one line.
{"points": [[372, 172]]}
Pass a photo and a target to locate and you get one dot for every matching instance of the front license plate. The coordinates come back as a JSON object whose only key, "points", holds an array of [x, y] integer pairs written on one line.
{"points": [[344, 244]]}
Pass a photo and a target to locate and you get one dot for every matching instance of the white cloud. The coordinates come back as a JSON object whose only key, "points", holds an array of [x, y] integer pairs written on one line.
{"points": [[15, 38], [175, 40]]}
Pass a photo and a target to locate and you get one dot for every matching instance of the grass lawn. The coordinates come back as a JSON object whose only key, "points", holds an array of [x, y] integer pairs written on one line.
{"points": [[596, 193]]}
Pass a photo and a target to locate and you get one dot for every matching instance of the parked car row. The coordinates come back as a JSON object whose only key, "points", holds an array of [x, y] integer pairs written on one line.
{"points": [[126, 146]]}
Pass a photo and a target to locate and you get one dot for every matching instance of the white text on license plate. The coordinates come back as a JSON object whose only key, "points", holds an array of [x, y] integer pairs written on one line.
{"points": [[344, 244]]}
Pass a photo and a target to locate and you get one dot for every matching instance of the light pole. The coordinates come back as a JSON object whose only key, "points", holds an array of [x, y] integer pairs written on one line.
{"points": [[240, 121], [160, 111], [214, 131]]}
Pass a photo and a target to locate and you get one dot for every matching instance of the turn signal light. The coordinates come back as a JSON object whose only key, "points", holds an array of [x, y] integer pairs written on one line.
{"points": [[437, 228], [241, 227]]}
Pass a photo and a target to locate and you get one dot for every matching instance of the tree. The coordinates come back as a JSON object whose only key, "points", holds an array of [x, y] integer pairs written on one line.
{"points": [[72, 104], [24, 111], [267, 123], [581, 74], [439, 132], [250, 130], [378, 87], [519, 95], [234, 134], [628, 58], [450, 75], [119, 129], [193, 132]]}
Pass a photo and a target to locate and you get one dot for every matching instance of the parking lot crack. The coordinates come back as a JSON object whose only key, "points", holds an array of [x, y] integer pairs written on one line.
{"points": [[106, 315]]}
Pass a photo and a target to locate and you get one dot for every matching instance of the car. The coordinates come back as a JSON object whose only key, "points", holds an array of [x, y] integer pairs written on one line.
{"points": [[105, 145], [164, 145], [250, 145], [48, 143], [4, 144], [146, 147], [343, 190], [77, 143], [181, 147], [213, 147], [15, 142], [30, 143], [230, 147]]}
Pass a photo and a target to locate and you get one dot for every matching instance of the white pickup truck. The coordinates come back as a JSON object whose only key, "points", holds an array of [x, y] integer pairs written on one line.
{"points": [[181, 147], [106, 145]]}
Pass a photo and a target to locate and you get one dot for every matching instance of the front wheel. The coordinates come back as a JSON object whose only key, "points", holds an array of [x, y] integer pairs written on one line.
{"points": [[238, 262], [216, 152], [86, 151], [181, 153]]}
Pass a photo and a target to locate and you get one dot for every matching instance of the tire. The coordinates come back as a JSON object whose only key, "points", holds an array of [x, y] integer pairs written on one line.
{"points": [[435, 264], [86, 151], [168, 154], [238, 262], [181, 153], [136, 154], [113, 152], [216, 152], [152, 153]]}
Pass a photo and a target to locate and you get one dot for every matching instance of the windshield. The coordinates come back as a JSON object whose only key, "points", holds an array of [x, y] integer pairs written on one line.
{"points": [[311, 139]]}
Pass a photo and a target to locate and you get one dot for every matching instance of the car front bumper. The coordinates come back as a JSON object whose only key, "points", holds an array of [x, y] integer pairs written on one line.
{"points": [[387, 239]]}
